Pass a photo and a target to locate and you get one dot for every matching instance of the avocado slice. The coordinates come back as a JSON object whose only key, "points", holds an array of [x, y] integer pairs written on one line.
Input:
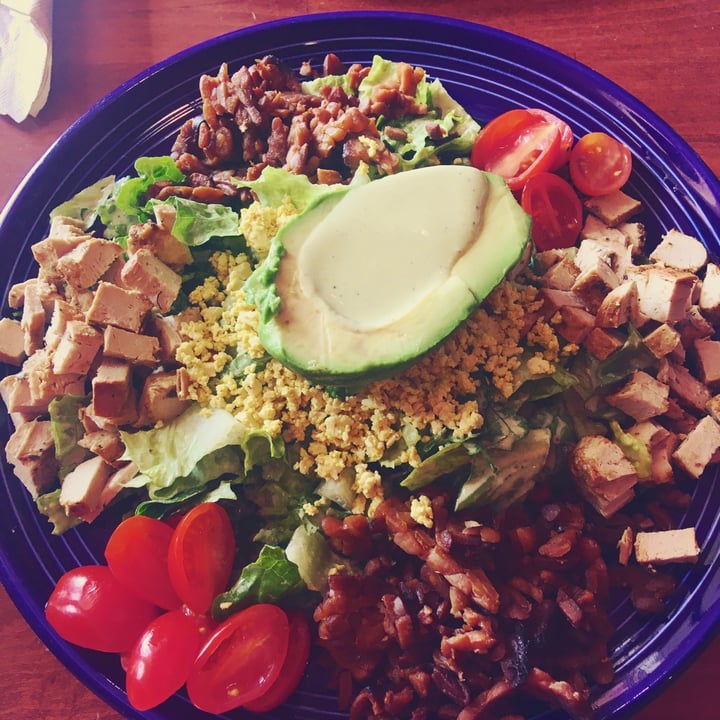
{"points": [[369, 278]]}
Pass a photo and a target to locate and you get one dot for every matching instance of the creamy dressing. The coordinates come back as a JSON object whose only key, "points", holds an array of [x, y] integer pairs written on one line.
{"points": [[389, 244]]}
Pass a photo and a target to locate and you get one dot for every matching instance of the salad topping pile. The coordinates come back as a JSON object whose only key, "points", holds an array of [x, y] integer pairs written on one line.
{"points": [[453, 484]]}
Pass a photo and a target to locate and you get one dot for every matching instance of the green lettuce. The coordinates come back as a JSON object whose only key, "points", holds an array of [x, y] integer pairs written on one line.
{"points": [[85, 205], [49, 505], [271, 578], [196, 223], [635, 450], [67, 430], [189, 451]]}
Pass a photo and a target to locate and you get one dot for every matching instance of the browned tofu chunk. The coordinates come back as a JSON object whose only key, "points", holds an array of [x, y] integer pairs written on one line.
{"points": [[63, 312], [161, 243], [661, 443], [77, 349], [680, 251], [82, 487], [112, 391], [159, 401], [642, 397], [614, 208], [575, 324], [612, 250], [663, 340], [688, 389], [165, 329], [115, 483], [709, 300], [12, 341], [697, 450], [594, 283], [152, 278], [45, 384], [106, 443], [561, 275], [33, 319], [667, 546], [135, 348], [618, 306], [83, 266], [113, 305], [664, 294], [603, 473], [602, 343], [707, 353], [64, 236], [31, 452], [15, 393]]}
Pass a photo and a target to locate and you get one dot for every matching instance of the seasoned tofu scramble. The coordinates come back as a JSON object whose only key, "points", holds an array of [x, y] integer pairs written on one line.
{"points": [[450, 442]]}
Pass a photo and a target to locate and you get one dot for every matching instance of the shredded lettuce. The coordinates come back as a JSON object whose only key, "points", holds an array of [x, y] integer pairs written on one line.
{"points": [[636, 451], [49, 505]]}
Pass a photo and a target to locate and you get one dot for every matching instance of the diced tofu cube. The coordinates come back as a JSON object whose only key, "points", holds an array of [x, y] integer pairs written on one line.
{"points": [[161, 243], [618, 306], [667, 546], [113, 305], [133, 347], [82, 487], [83, 266], [561, 276], [664, 294], [152, 278], [612, 251], [663, 340], [112, 389], [688, 389], [31, 452], [77, 349], [594, 283], [615, 208], [159, 400], [33, 319], [642, 397], [602, 343], [575, 324], [12, 341], [680, 251], [697, 450], [707, 353], [709, 300]]}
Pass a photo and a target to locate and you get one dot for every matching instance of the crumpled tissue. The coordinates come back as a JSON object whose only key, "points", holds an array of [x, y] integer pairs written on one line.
{"points": [[25, 56]]}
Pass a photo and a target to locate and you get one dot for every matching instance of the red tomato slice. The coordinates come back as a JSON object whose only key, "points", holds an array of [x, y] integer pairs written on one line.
{"points": [[241, 660], [137, 554], [201, 555], [91, 608], [519, 144], [293, 668], [555, 209], [599, 164], [163, 656], [566, 135]]}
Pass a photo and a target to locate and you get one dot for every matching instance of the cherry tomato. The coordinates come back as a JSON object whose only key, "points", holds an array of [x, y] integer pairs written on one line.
{"points": [[293, 668], [599, 164], [163, 656], [521, 143], [91, 608], [566, 135], [241, 660], [555, 209], [201, 555], [137, 554]]}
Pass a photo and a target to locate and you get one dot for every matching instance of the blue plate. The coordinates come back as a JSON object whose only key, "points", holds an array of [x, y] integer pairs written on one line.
{"points": [[488, 71]]}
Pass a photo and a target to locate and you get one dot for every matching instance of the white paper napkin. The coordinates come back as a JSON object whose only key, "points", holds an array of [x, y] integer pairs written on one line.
{"points": [[25, 56]]}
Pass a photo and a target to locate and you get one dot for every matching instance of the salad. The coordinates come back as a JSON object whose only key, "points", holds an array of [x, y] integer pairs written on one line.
{"points": [[460, 502]]}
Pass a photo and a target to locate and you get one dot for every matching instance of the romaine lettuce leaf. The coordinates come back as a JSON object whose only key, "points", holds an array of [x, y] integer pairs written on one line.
{"points": [[67, 430], [196, 222], [84, 205], [271, 578], [184, 449]]}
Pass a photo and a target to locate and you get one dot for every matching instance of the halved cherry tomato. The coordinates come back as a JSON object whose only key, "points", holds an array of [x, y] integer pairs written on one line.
{"points": [[163, 656], [599, 164], [137, 554], [293, 668], [91, 608], [555, 209], [241, 660], [201, 555], [521, 143]]}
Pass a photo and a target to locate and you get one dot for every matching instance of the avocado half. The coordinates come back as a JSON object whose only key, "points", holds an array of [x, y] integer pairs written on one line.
{"points": [[369, 278]]}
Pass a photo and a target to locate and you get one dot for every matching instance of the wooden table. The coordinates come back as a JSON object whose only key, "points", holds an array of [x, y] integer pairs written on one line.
{"points": [[665, 52]]}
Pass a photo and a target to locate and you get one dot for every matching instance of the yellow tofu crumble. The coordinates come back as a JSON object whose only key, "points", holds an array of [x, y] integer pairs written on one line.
{"points": [[436, 395]]}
